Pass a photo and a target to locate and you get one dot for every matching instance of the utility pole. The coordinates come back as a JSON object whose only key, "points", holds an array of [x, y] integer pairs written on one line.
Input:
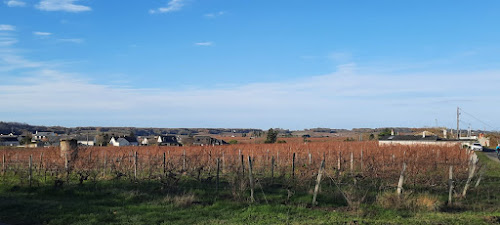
{"points": [[458, 122]]}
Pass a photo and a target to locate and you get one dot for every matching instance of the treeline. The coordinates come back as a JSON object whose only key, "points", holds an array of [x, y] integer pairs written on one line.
{"points": [[20, 128]]}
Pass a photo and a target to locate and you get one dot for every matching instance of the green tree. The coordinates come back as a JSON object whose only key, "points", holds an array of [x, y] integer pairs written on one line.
{"points": [[272, 136], [25, 139], [384, 133]]}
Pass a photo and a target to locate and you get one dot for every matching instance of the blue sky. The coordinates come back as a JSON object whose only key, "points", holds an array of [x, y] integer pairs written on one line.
{"points": [[260, 64]]}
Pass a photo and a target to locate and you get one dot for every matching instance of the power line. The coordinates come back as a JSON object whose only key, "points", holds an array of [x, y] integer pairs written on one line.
{"points": [[484, 123]]}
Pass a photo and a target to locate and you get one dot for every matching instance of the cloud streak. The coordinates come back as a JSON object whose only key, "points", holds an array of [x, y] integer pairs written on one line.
{"points": [[72, 40], [39, 33], [207, 43], [62, 5], [6, 27], [214, 15], [15, 3], [340, 99], [172, 6], [42, 93]]}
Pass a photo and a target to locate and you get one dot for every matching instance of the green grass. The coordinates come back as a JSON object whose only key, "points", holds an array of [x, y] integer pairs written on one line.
{"points": [[148, 202]]}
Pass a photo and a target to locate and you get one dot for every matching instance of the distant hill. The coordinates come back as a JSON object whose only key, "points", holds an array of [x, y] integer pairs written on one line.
{"points": [[20, 128]]}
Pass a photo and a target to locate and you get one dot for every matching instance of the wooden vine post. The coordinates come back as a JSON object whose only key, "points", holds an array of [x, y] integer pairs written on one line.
{"points": [[136, 157], [401, 180], [4, 166], [472, 168], [164, 162], [318, 181], [41, 164], [450, 184], [339, 163], [272, 170], [184, 160], [242, 165], [250, 177], [104, 164], [293, 166], [217, 178], [352, 162], [66, 167], [361, 160]]}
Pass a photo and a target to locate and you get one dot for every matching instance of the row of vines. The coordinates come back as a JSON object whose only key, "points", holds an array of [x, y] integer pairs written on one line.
{"points": [[288, 165]]}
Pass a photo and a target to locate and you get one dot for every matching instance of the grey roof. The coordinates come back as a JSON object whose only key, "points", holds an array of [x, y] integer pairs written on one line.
{"points": [[8, 139], [128, 138], [168, 139]]}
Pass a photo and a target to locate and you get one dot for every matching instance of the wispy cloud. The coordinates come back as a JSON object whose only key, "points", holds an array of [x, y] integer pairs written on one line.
{"points": [[340, 57], [6, 27], [62, 5], [345, 98], [7, 41], [213, 15], [208, 43], [172, 6], [39, 33], [72, 40], [15, 3], [339, 99]]}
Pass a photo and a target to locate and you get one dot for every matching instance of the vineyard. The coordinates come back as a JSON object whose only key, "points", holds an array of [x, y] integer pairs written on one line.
{"points": [[181, 183], [241, 170]]}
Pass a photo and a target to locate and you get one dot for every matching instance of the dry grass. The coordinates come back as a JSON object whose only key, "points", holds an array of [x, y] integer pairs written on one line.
{"points": [[184, 200], [421, 202]]}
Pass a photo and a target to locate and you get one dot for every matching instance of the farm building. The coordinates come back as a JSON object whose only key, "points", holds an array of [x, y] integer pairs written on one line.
{"points": [[168, 140], [9, 140], [124, 141], [86, 140], [207, 140], [422, 140], [39, 135]]}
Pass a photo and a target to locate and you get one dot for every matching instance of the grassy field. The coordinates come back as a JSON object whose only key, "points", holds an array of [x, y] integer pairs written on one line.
{"points": [[124, 201]]}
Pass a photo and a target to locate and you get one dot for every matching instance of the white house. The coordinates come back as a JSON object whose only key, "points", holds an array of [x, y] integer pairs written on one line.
{"points": [[145, 141], [124, 141], [421, 140], [86, 140], [38, 135], [168, 140]]}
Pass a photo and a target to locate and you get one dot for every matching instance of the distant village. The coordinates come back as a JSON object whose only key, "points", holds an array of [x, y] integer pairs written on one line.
{"points": [[213, 137], [49, 139]]}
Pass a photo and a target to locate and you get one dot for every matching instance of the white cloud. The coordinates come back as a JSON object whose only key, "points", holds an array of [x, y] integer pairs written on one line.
{"points": [[10, 62], [339, 99], [6, 27], [62, 5], [38, 33], [172, 6], [208, 43], [38, 92], [7, 41], [15, 3], [213, 15], [72, 40]]}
